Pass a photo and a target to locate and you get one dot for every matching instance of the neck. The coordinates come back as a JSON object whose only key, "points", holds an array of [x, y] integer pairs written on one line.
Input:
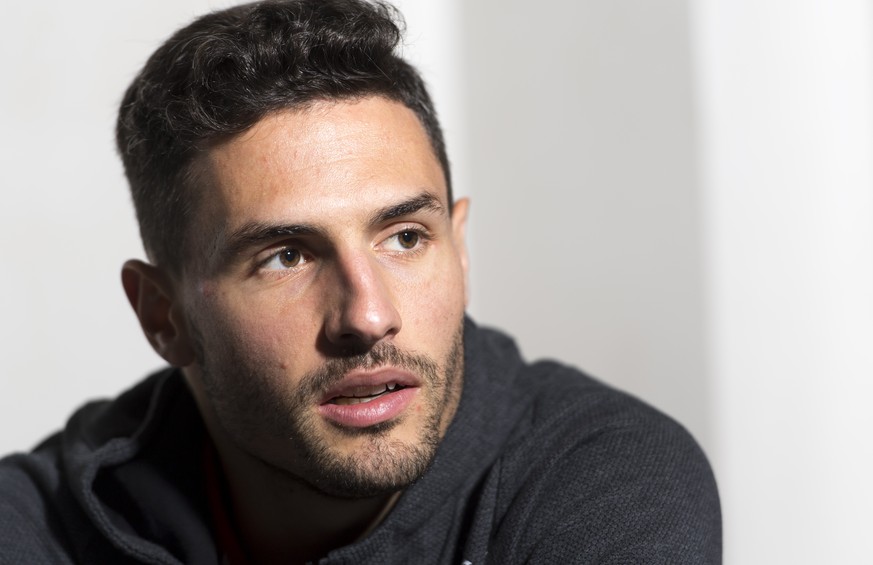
{"points": [[277, 518]]}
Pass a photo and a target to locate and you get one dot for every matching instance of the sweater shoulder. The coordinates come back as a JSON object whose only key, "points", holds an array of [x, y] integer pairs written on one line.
{"points": [[43, 494], [31, 528], [592, 474]]}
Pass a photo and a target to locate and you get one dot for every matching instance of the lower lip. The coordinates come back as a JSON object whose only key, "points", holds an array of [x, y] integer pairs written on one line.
{"points": [[365, 414]]}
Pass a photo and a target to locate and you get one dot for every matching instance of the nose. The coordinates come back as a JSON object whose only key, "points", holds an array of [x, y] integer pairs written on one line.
{"points": [[362, 309]]}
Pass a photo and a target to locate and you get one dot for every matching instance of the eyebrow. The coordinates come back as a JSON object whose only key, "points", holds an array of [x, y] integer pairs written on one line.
{"points": [[424, 201], [254, 234]]}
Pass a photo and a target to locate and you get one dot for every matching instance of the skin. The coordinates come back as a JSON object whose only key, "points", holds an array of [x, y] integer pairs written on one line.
{"points": [[324, 247]]}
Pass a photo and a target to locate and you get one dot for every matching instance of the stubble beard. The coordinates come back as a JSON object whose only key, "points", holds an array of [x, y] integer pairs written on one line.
{"points": [[279, 428]]}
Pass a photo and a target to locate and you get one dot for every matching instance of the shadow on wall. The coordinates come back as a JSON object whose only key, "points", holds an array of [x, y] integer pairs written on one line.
{"points": [[586, 218]]}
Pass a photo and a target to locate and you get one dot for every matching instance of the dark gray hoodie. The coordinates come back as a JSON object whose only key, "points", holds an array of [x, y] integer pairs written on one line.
{"points": [[541, 464]]}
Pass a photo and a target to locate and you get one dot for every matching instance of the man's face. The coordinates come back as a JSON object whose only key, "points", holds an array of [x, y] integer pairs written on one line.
{"points": [[325, 300]]}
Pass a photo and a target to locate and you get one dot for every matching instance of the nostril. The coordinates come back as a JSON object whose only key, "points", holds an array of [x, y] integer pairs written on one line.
{"points": [[367, 323]]}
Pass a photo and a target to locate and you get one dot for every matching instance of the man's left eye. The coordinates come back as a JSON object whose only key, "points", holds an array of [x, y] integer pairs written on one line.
{"points": [[285, 260], [406, 240]]}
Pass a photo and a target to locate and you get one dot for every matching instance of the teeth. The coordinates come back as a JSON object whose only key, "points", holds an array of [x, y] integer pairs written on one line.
{"points": [[365, 394], [364, 391], [352, 400]]}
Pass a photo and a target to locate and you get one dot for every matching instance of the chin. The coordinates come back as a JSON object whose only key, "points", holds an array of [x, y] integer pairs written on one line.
{"points": [[380, 467]]}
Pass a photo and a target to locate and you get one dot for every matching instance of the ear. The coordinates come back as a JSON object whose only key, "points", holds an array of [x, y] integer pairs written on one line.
{"points": [[459, 230], [150, 293]]}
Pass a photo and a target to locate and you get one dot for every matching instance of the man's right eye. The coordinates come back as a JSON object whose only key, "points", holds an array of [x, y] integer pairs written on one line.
{"points": [[287, 258]]}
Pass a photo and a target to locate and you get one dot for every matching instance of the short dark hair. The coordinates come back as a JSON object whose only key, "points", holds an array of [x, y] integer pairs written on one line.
{"points": [[221, 74]]}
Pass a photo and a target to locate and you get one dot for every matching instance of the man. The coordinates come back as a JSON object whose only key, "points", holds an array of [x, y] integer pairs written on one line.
{"points": [[328, 400]]}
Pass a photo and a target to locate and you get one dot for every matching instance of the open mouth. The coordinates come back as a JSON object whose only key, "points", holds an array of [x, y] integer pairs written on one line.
{"points": [[367, 398], [360, 395]]}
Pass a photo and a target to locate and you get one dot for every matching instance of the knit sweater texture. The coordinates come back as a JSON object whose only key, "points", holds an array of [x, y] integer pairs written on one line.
{"points": [[541, 464]]}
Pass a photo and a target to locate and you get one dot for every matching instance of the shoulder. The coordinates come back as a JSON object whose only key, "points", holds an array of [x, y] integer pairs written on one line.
{"points": [[30, 530], [594, 475], [44, 493]]}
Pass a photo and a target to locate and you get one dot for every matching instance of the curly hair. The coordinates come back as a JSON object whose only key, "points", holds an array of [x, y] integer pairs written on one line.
{"points": [[225, 71]]}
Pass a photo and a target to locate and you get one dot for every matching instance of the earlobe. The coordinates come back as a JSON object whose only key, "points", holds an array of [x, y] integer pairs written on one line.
{"points": [[150, 294], [459, 229]]}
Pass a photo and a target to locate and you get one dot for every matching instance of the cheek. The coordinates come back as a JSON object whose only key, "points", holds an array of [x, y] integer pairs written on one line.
{"points": [[435, 300], [259, 333], [274, 323]]}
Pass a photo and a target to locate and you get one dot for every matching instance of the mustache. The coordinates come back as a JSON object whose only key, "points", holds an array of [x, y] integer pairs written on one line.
{"points": [[318, 381]]}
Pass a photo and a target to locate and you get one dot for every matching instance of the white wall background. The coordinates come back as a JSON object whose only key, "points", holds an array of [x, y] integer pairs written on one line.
{"points": [[675, 196]]}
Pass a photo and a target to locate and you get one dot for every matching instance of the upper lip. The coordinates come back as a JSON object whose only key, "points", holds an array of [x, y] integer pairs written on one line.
{"points": [[363, 379]]}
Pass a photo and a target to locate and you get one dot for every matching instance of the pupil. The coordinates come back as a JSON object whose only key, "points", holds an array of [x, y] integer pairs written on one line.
{"points": [[408, 239], [289, 257]]}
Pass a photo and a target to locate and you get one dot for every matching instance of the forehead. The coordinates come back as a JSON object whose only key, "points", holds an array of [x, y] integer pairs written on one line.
{"points": [[327, 160]]}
